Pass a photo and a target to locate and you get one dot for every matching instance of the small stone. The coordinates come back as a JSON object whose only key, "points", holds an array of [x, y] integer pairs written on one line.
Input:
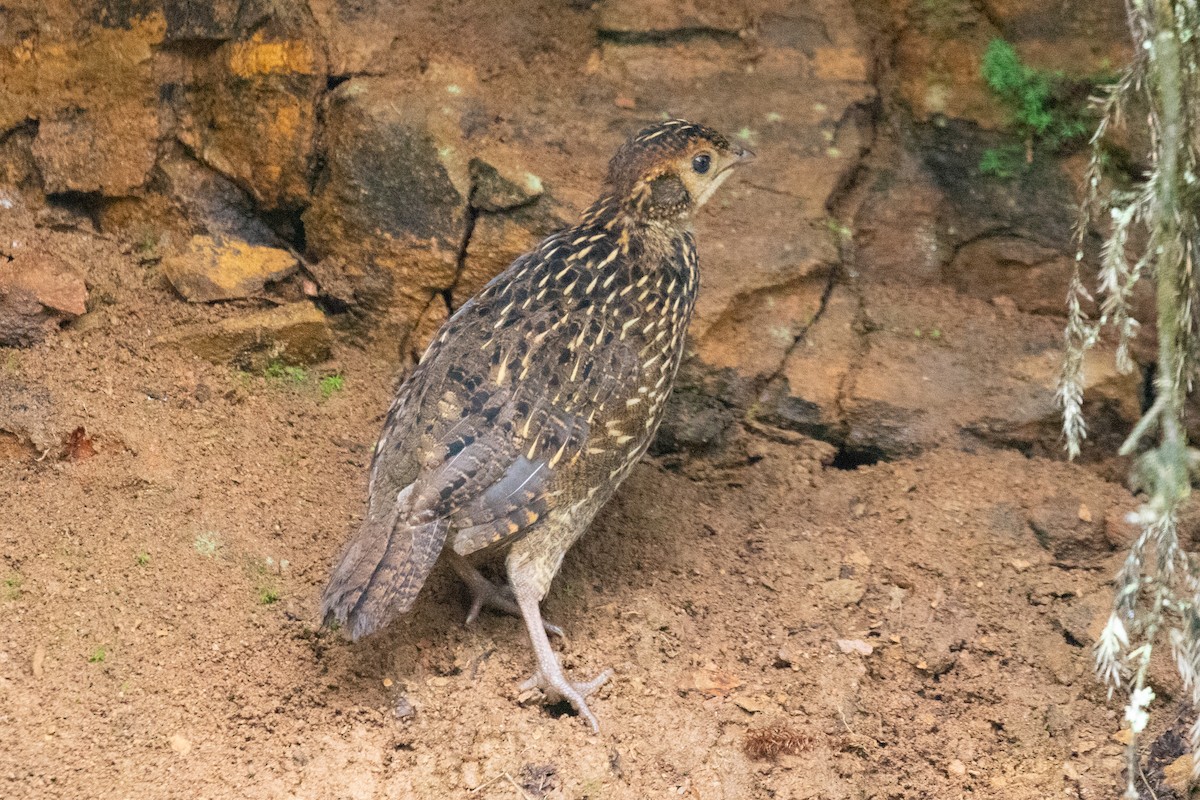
{"points": [[956, 768], [753, 704], [1178, 774], [842, 592], [711, 682], [787, 657], [625, 102], [859, 559], [1005, 305], [225, 269], [38, 292], [180, 744], [403, 708], [855, 646], [49, 280], [295, 333], [1020, 564], [470, 775]]}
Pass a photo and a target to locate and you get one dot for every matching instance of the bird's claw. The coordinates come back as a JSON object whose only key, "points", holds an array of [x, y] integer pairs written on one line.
{"points": [[558, 688], [484, 593]]}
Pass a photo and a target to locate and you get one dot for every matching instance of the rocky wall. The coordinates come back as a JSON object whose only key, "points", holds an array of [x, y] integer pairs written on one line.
{"points": [[326, 172]]}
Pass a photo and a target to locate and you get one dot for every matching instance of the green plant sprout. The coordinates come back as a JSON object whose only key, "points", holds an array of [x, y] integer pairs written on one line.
{"points": [[277, 370], [206, 544], [1040, 112], [1002, 162], [331, 385]]}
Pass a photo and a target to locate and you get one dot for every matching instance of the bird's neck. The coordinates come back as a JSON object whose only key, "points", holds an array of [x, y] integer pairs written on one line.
{"points": [[651, 247], [655, 235]]}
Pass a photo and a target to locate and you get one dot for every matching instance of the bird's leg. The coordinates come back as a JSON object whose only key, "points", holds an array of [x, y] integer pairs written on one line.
{"points": [[486, 593], [549, 675]]}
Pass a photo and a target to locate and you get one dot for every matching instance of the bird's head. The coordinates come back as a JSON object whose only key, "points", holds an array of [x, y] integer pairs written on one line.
{"points": [[667, 171]]}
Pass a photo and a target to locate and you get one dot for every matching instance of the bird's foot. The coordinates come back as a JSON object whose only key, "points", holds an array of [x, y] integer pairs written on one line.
{"points": [[557, 687], [484, 593]]}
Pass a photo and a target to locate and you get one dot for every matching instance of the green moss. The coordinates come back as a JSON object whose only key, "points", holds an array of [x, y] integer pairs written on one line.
{"points": [[1045, 108], [206, 544], [97, 656], [277, 370], [331, 384], [1002, 162]]}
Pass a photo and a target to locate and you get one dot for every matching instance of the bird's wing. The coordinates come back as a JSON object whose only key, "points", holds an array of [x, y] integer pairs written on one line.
{"points": [[496, 475], [381, 571], [515, 390], [503, 400]]}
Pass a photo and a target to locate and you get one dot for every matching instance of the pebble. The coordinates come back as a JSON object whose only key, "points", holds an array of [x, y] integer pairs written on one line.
{"points": [[858, 646], [957, 768], [842, 592], [753, 704], [180, 744], [1178, 774], [470, 775], [788, 656]]}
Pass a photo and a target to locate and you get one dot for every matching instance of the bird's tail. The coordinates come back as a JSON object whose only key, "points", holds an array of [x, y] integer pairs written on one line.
{"points": [[380, 573]]}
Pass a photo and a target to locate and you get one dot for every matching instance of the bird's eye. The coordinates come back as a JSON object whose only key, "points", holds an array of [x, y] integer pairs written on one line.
{"points": [[701, 163]]}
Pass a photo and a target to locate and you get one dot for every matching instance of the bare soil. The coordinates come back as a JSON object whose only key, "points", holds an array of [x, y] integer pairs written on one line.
{"points": [[915, 629], [922, 625]]}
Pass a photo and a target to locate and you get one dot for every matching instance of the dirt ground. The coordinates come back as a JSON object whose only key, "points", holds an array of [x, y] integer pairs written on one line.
{"points": [[922, 625], [918, 627]]}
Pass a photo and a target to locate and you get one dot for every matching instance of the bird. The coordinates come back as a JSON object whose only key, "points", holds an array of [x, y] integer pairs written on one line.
{"points": [[534, 401]]}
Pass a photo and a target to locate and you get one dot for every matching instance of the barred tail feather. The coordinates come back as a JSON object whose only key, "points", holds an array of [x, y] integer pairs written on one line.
{"points": [[381, 573]]}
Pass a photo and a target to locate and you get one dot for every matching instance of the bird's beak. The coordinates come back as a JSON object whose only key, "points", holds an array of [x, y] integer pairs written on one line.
{"points": [[737, 157]]}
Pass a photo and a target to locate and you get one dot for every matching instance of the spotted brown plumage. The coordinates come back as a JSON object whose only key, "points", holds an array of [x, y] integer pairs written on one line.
{"points": [[536, 399]]}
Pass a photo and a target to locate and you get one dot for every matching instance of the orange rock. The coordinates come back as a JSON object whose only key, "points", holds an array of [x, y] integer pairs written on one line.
{"points": [[48, 280], [224, 269], [251, 111], [92, 89], [296, 333]]}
